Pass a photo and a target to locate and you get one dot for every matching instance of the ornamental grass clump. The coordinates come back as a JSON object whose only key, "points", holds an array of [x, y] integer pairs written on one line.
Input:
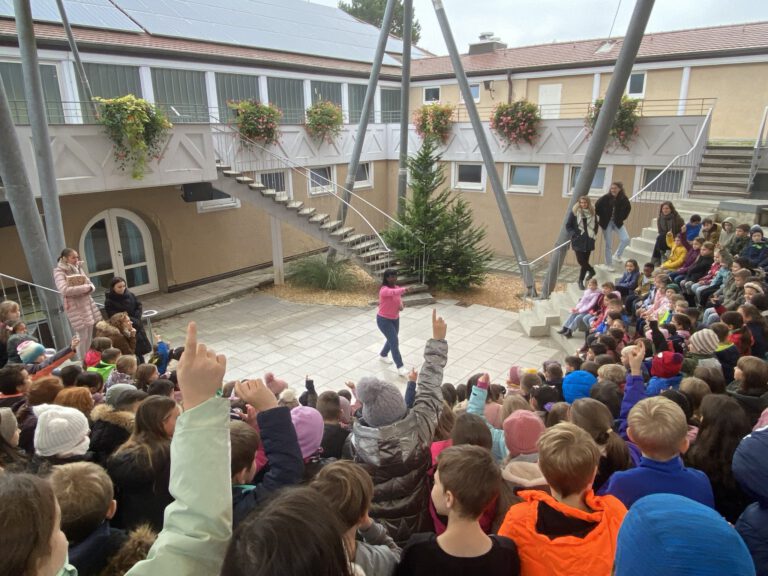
{"points": [[516, 122], [256, 121], [137, 130], [324, 120]]}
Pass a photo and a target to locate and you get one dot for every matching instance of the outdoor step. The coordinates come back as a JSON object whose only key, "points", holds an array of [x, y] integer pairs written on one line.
{"points": [[294, 205], [353, 238], [231, 173], [720, 193], [418, 299], [319, 218], [532, 325], [364, 246], [732, 147], [725, 163], [282, 198], [221, 167], [373, 254], [719, 171], [331, 225], [258, 186], [383, 261], [244, 179], [642, 244], [341, 232], [728, 155], [307, 211], [698, 205], [729, 182], [723, 188], [268, 193], [650, 234]]}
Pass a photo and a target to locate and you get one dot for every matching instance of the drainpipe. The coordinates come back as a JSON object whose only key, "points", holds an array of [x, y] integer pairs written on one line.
{"points": [[509, 86]]}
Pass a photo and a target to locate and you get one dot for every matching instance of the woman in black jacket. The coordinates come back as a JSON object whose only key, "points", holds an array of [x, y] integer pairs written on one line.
{"points": [[119, 299], [668, 220], [612, 210], [582, 226]]}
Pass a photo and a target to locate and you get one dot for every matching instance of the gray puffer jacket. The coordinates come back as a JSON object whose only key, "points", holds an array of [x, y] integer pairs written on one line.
{"points": [[397, 456]]}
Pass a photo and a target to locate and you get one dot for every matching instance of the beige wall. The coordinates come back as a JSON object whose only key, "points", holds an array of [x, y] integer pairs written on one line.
{"points": [[574, 90]]}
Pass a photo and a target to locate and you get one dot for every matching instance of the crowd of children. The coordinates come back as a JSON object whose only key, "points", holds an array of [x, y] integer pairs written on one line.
{"points": [[646, 452]]}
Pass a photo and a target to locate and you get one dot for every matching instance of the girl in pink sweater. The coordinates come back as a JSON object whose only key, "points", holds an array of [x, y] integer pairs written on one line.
{"points": [[388, 318]]}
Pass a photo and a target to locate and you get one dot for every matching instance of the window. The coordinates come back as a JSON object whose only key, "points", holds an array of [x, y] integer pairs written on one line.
{"points": [[330, 91], [356, 99], [364, 176], [671, 181], [598, 181], [636, 85], [321, 180], [218, 204], [525, 178], [431, 95], [390, 104], [234, 87], [468, 176], [288, 95], [181, 94], [475, 89], [13, 80], [274, 181]]}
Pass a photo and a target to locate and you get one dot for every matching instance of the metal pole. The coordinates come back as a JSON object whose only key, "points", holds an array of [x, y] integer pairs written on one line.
{"points": [[613, 94], [402, 173], [370, 92], [76, 53], [485, 150], [33, 89], [19, 195]]}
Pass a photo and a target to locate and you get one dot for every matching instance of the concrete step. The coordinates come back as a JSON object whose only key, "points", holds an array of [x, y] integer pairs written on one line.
{"points": [[244, 179], [567, 345], [258, 186], [353, 239], [727, 154], [698, 205], [720, 171], [282, 198], [317, 218], [531, 324], [375, 253], [642, 244], [711, 182], [418, 299], [331, 225], [723, 194], [268, 193], [232, 173], [342, 232], [307, 212], [294, 205], [650, 233], [220, 167], [384, 261], [365, 246]]}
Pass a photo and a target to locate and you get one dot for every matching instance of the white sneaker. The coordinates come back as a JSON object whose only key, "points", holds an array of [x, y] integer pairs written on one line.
{"points": [[384, 359], [618, 259], [607, 267], [402, 372]]}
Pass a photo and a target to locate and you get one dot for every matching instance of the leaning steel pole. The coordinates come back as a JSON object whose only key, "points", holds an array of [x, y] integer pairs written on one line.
{"points": [[33, 89], [76, 54], [19, 195], [613, 94], [402, 172], [485, 150]]}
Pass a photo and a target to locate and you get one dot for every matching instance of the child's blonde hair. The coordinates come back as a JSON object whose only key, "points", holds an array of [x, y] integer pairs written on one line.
{"points": [[348, 486], [615, 373], [512, 403], [126, 364], [85, 493], [101, 343], [695, 389], [568, 458], [658, 426]]}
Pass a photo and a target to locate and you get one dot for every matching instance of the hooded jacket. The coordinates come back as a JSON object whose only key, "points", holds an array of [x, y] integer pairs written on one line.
{"points": [[397, 456], [726, 237], [110, 429], [609, 208], [126, 343], [91, 555], [134, 549], [128, 303], [676, 256], [751, 473], [555, 539], [753, 404], [80, 308], [755, 252]]}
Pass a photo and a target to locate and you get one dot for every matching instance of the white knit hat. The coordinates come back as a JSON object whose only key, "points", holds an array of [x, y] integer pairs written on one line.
{"points": [[60, 430]]}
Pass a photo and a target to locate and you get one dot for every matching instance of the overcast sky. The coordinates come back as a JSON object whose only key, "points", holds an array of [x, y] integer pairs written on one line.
{"points": [[526, 22]]}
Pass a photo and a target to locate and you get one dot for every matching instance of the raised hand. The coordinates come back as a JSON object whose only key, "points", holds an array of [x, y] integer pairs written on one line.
{"points": [[635, 357], [200, 371], [439, 327], [74, 343], [255, 393]]}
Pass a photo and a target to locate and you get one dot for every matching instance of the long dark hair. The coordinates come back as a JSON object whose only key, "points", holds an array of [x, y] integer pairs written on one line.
{"points": [[149, 440], [753, 316], [114, 282], [388, 273], [620, 186], [723, 424], [596, 419], [735, 319], [672, 209]]}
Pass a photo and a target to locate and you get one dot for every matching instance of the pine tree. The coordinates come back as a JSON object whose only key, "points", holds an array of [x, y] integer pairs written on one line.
{"points": [[372, 11], [453, 255]]}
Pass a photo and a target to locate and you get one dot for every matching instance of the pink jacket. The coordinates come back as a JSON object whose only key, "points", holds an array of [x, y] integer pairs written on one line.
{"points": [[587, 301], [78, 304], [389, 302]]}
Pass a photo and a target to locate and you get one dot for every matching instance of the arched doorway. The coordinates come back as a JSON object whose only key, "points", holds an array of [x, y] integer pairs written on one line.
{"points": [[117, 242]]}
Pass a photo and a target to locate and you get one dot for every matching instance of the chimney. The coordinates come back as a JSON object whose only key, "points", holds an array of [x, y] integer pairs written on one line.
{"points": [[488, 43]]}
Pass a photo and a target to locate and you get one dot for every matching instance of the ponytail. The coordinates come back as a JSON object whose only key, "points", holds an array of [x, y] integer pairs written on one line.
{"points": [[616, 452]]}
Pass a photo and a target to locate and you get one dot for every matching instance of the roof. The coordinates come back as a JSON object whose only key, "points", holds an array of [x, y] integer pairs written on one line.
{"points": [[751, 37], [101, 41]]}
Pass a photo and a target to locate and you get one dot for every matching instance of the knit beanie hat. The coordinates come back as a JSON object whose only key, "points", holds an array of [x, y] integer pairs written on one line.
{"points": [[755, 228], [666, 364], [685, 537], [755, 286], [309, 426], [577, 384], [382, 402], [8, 424], [60, 430], [742, 273], [522, 430], [704, 341], [274, 384], [115, 391], [673, 286], [29, 350]]}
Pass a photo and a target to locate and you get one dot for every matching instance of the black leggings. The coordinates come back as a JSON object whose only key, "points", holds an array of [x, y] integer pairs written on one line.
{"points": [[583, 259], [659, 248]]}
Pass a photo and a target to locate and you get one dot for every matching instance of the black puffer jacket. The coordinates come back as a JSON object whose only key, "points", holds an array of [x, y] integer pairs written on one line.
{"points": [[606, 212], [581, 241], [397, 456], [110, 429]]}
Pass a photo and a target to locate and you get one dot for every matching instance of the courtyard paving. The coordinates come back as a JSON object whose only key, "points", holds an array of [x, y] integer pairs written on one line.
{"points": [[260, 333]]}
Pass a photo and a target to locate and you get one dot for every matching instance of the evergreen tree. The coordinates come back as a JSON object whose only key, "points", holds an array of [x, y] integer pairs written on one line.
{"points": [[372, 11], [453, 255]]}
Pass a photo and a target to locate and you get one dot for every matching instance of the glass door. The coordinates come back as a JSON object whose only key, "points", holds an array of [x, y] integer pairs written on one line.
{"points": [[118, 243]]}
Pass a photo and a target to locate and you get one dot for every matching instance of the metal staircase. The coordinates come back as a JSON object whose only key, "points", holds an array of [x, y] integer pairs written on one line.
{"points": [[724, 172]]}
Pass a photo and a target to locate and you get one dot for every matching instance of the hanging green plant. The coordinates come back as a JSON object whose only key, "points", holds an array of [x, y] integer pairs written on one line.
{"points": [[324, 120], [516, 122], [256, 121], [434, 121], [137, 130], [624, 127]]}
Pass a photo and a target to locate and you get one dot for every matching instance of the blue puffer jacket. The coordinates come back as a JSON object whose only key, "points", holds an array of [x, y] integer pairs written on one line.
{"points": [[751, 472]]}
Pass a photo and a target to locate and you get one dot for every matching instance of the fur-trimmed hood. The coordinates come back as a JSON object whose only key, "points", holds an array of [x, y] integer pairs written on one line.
{"points": [[104, 328], [104, 412], [133, 550]]}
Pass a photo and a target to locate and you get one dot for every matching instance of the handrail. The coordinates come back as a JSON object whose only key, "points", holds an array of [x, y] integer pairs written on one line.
{"points": [[759, 145], [38, 286], [704, 127]]}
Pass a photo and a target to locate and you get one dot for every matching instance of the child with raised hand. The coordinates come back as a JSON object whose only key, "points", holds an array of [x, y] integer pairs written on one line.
{"points": [[466, 481], [350, 489], [572, 531]]}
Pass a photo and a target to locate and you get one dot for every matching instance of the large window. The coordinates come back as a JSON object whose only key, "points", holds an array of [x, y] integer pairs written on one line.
{"points": [[390, 104], [288, 95], [108, 81], [475, 90], [330, 91], [364, 176], [636, 85], [277, 181], [234, 87], [431, 94], [356, 99], [598, 185], [670, 181], [524, 178], [322, 179], [468, 176], [181, 94], [13, 80]]}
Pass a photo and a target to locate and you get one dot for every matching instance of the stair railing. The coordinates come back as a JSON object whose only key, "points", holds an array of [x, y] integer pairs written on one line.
{"points": [[246, 155], [671, 183], [761, 144]]}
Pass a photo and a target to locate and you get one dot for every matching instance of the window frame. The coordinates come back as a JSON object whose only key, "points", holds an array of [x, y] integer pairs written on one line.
{"points": [[368, 182], [477, 100], [287, 181], [593, 192], [674, 194], [642, 73], [205, 206], [325, 189], [467, 186], [537, 190], [424, 94]]}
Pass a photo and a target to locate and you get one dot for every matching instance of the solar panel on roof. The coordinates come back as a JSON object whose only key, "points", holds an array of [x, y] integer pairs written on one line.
{"points": [[87, 13]]}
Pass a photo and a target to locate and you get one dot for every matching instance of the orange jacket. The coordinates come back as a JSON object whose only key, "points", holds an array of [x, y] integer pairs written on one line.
{"points": [[565, 555]]}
